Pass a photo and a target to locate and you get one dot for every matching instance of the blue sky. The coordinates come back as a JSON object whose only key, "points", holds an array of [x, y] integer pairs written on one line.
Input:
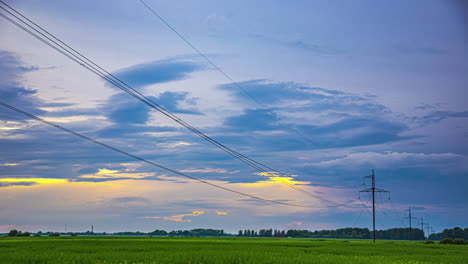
{"points": [[371, 84]]}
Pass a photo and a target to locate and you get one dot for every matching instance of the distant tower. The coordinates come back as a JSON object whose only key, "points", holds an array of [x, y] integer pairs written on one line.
{"points": [[92, 229]]}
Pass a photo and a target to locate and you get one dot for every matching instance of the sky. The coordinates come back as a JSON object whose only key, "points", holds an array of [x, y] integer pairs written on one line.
{"points": [[338, 87]]}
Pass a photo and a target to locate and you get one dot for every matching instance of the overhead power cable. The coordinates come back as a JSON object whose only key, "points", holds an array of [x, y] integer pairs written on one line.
{"points": [[253, 98], [61, 47], [8, 106]]}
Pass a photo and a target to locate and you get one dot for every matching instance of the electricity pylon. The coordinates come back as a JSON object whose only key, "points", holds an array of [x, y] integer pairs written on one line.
{"points": [[373, 190], [409, 217]]}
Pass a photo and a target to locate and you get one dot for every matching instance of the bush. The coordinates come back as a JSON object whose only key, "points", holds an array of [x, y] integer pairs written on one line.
{"points": [[456, 241], [54, 235], [446, 241], [37, 235], [429, 242]]}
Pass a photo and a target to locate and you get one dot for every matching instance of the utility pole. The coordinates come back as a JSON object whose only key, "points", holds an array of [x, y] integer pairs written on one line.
{"points": [[373, 190], [409, 219]]}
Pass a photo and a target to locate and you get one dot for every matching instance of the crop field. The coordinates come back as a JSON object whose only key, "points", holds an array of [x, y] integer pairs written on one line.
{"points": [[223, 250]]}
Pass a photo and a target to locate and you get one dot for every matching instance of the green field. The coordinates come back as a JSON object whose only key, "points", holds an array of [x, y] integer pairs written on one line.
{"points": [[223, 250]]}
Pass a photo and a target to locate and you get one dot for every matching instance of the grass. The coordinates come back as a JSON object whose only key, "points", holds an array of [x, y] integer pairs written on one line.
{"points": [[223, 251]]}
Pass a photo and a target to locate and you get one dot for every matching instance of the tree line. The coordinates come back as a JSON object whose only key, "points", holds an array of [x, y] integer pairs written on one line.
{"points": [[345, 233], [352, 233], [453, 233]]}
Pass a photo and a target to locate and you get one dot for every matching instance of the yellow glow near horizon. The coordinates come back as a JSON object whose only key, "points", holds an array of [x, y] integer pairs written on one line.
{"points": [[287, 180], [9, 164], [175, 218], [110, 174], [221, 213], [36, 180], [106, 171], [275, 178], [198, 212]]}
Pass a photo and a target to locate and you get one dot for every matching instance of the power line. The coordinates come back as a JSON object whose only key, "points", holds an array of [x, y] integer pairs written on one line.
{"points": [[147, 161], [362, 210], [82, 60], [337, 187], [219, 69]]}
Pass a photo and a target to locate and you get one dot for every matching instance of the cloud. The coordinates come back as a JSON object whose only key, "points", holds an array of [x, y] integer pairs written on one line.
{"points": [[116, 174], [437, 116], [396, 159], [253, 119], [296, 223], [12, 72], [275, 177], [122, 108], [175, 218], [14, 182], [128, 199], [298, 44], [329, 118], [18, 183], [176, 144], [419, 50], [205, 170], [9, 164], [157, 72], [12, 69], [172, 101]]}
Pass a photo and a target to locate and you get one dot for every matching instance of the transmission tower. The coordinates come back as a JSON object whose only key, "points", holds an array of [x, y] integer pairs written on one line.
{"points": [[428, 227], [422, 227], [373, 190], [409, 217]]}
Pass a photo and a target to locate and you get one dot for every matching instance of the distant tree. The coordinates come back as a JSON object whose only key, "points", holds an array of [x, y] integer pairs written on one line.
{"points": [[240, 233], [25, 234], [13, 233], [158, 232]]}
